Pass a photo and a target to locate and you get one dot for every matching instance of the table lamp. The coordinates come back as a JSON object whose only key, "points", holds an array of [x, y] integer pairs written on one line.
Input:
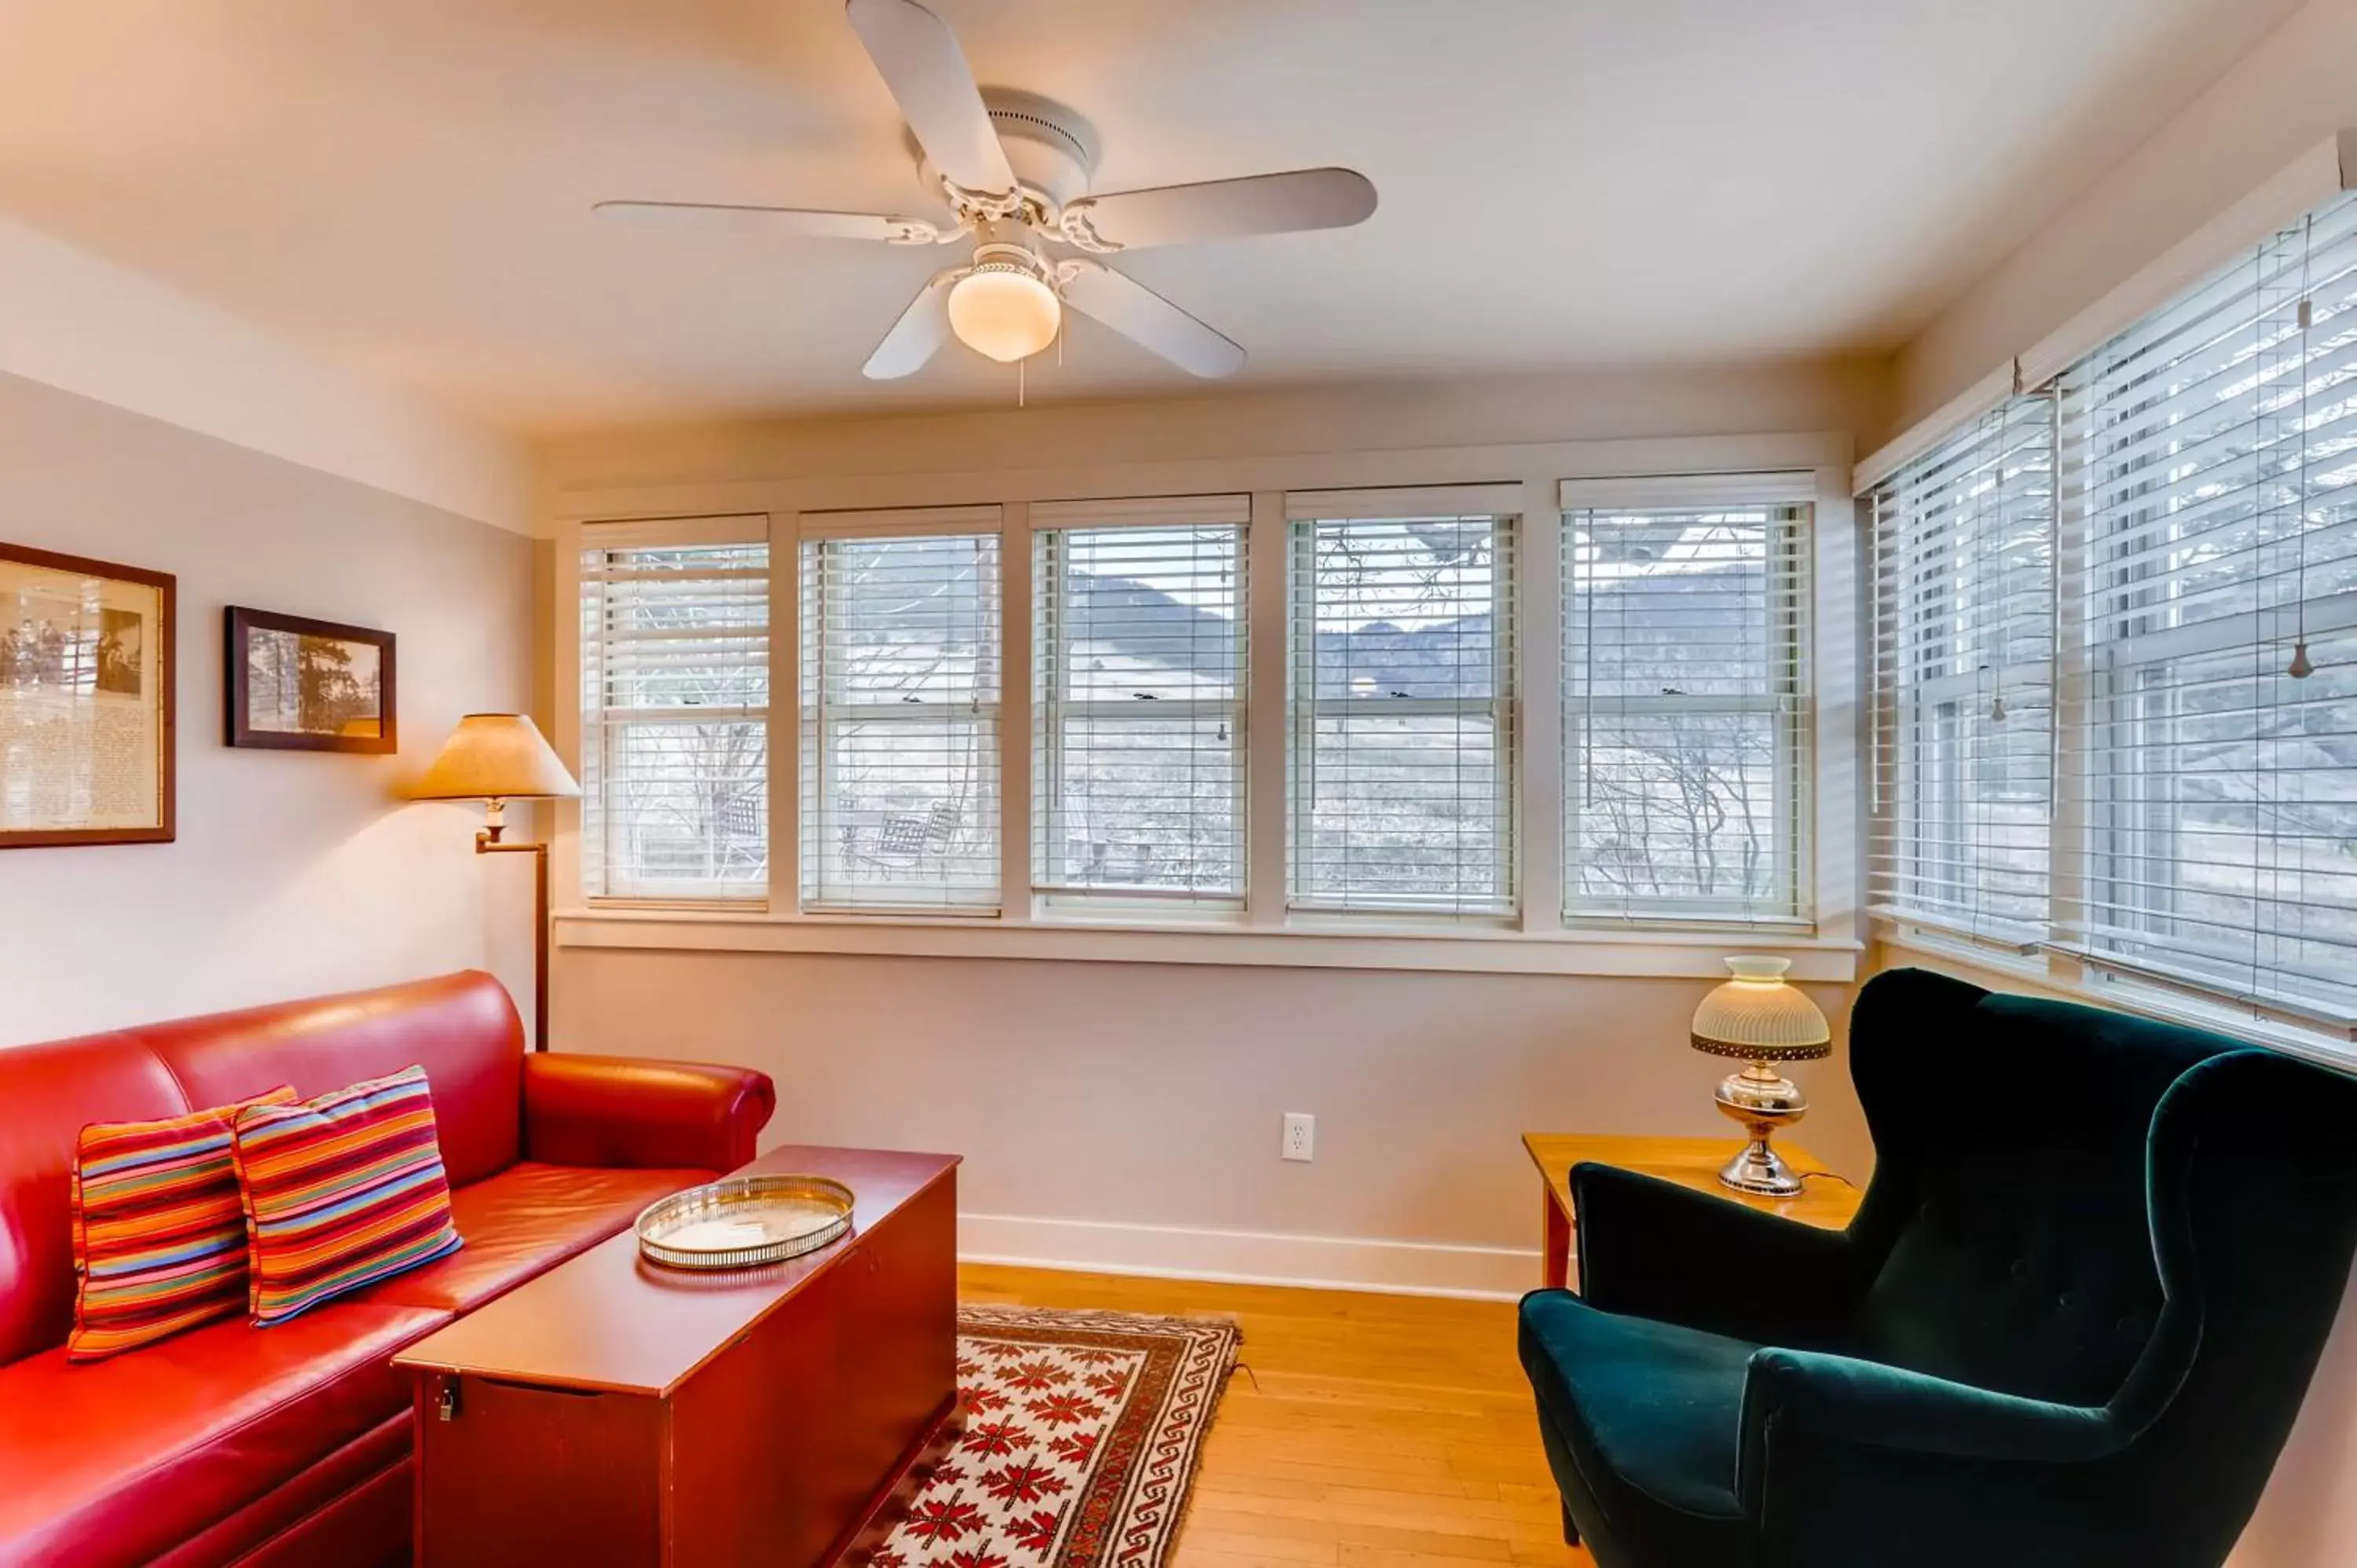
{"points": [[495, 758], [1758, 1019]]}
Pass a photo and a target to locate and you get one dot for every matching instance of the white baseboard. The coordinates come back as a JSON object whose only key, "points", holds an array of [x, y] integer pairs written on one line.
{"points": [[1249, 1257]]}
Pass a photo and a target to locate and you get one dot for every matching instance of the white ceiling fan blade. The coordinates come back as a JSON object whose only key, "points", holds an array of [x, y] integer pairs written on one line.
{"points": [[923, 329], [1223, 208], [919, 58], [795, 220], [1143, 317]]}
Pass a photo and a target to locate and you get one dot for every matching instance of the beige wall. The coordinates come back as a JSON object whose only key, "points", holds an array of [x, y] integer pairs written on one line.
{"points": [[1097, 1094], [293, 872], [1128, 1114], [2292, 92], [1492, 411]]}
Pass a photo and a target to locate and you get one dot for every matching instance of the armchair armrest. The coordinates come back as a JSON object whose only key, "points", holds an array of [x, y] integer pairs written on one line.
{"points": [[1839, 1398], [1843, 1460], [1650, 1248], [622, 1112]]}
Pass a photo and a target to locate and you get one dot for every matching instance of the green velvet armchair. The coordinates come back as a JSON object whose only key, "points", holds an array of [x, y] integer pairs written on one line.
{"points": [[2071, 1324]]}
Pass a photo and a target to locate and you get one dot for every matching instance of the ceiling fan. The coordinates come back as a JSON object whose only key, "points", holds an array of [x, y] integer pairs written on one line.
{"points": [[1014, 170]]}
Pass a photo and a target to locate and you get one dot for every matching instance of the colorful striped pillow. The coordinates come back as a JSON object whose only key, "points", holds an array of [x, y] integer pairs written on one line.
{"points": [[341, 1191], [158, 1229]]}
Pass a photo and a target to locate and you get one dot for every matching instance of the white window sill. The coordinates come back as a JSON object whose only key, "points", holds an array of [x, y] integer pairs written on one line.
{"points": [[2033, 971], [1695, 955]]}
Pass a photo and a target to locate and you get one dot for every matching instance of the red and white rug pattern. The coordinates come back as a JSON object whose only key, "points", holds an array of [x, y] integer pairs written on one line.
{"points": [[1082, 1430]]}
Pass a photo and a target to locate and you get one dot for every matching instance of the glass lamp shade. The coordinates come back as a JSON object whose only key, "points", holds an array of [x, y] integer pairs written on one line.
{"points": [[495, 757], [1004, 312], [1756, 1016]]}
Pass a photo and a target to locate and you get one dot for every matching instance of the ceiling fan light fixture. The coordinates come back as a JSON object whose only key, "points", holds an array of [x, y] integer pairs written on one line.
{"points": [[1003, 310]]}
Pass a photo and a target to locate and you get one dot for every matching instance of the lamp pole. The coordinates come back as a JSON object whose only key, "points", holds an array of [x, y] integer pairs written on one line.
{"points": [[489, 841]]}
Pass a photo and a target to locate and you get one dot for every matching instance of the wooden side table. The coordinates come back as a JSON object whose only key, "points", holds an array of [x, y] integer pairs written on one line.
{"points": [[1689, 1162]]}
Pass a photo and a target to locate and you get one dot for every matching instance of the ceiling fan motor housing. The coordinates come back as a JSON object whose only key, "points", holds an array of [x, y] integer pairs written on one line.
{"points": [[1052, 149]]}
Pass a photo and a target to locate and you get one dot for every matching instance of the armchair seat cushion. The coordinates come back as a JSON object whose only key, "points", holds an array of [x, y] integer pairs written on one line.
{"points": [[1649, 1414], [523, 1222]]}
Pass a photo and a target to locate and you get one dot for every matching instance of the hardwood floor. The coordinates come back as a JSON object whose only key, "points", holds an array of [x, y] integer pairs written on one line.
{"points": [[1371, 1431]]}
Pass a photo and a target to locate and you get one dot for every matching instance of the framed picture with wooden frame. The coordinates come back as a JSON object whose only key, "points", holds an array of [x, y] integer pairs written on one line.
{"points": [[86, 701], [299, 684]]}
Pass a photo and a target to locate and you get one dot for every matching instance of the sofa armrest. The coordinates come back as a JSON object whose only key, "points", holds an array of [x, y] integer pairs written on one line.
{"points": [[1650, 1248], [622, 1112]]}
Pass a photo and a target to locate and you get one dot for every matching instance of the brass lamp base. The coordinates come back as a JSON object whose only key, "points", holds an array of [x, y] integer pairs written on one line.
{"points": [[1763, 1100]]}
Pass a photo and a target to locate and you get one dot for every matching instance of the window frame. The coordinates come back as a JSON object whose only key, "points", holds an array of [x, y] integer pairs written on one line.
{"points": [[2117, 661], [987, 716], [592, 754], [1795, 670], [1306, 513], [1048, 524], [1263, 932]]}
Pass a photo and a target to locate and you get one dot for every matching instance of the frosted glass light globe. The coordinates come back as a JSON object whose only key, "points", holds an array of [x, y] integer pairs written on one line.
{"points": [[1004, 313]]}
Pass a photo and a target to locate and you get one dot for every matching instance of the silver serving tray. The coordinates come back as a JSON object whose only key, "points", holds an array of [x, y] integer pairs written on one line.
{"points": [[744, 1221]]}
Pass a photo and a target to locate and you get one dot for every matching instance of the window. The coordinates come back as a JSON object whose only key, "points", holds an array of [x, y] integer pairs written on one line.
{"points": [[1962, 568], [1684, 687], [675, 709], [1401, 762], [1198, 723], [900, 690], [1138, 699], [2211, 647]]}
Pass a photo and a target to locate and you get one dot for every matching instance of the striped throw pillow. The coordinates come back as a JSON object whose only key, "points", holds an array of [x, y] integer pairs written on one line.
{"points": [[341, 1191], [158, 1229]]}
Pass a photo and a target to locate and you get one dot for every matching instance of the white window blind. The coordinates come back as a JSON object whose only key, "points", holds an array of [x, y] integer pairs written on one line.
{"points": [[675, 711], [2209, 515], [1401, 763], [900, 689], [1138, 699], [1963, 565], [1686, 712]]}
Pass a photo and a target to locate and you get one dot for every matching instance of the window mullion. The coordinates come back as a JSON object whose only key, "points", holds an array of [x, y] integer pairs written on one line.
{"points": [[1269, 747], [1015, 717], [1543, 769], [2067, 860]]}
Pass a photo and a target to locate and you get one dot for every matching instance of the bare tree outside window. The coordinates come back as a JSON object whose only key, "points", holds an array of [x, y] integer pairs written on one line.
{"points": [[1685, 714]]}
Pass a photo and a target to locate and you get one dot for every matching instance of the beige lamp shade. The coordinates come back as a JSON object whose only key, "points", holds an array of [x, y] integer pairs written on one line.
{"points": [[495, 757], [1756, 1018]]}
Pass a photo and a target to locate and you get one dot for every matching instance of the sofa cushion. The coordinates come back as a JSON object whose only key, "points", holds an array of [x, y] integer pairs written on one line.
{"points": [[524, 1221], [117, 1461], [51, 1092], [1650, 1414], [340, 1192], [158, 1229]]}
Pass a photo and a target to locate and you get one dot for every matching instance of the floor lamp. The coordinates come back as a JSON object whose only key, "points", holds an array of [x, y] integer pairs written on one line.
{"points": [[495, 758]]}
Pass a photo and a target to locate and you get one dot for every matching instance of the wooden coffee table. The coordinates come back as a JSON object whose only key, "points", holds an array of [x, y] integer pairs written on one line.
{"points": [[615, 1412]]}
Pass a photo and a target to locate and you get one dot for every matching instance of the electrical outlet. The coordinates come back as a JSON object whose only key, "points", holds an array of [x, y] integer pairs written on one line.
{"points": [[1300, 1136]]}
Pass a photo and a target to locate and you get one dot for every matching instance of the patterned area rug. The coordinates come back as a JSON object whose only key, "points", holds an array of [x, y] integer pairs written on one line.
{"points": [[1082, 1430]]}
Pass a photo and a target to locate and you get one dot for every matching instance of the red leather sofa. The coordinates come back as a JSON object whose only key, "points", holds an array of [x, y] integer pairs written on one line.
{"points": [[291, 1444]]}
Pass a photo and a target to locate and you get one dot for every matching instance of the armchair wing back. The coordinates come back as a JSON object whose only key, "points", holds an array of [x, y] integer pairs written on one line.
{"points": [[2008, 1207], [2072, 1322]]}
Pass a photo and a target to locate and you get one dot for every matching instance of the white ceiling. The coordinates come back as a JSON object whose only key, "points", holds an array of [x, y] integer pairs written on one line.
{"points": [[404, 184]]}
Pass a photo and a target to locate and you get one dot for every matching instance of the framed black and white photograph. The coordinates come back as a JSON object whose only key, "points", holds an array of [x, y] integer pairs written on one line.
{"points": [[299, 684], [85, 701]]}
